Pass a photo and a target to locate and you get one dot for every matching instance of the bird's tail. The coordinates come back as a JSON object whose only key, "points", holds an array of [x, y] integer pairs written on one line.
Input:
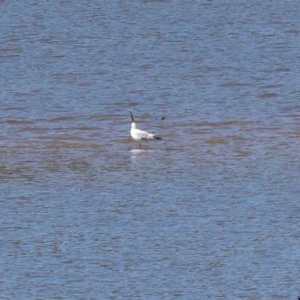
{"points": [[153, 136]]}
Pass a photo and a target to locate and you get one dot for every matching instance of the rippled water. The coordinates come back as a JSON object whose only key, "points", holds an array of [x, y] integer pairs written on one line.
{"points": [[211, 211]]}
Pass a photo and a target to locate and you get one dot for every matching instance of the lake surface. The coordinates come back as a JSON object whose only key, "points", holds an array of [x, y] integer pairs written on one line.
{"points": [[211, 211]]}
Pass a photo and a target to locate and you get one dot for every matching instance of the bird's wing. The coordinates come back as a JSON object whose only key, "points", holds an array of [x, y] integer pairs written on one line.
{"points": [[144, 135]]}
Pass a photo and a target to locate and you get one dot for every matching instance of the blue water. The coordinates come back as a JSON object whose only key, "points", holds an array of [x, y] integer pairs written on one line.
{"points": [[211, 211]]}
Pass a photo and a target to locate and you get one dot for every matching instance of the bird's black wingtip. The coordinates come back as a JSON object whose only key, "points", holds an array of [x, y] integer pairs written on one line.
{"points": [[131, 116], [158, 138], [163, 118]]}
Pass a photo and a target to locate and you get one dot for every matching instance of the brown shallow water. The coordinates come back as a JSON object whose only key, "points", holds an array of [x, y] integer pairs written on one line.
{"points": [[211, 211]]}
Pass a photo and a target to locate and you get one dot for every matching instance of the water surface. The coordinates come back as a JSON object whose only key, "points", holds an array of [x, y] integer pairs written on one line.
{"points": [[211, 211]]}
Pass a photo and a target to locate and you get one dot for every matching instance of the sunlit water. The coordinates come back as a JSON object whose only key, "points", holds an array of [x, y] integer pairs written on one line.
{"points": [[209, 212]]}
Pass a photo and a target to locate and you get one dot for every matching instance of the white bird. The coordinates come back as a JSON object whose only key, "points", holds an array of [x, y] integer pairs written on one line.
{"points": [[141, 135]]}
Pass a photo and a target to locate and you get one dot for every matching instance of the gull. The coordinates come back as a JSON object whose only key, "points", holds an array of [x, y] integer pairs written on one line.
{"points": [[141, 135]]}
